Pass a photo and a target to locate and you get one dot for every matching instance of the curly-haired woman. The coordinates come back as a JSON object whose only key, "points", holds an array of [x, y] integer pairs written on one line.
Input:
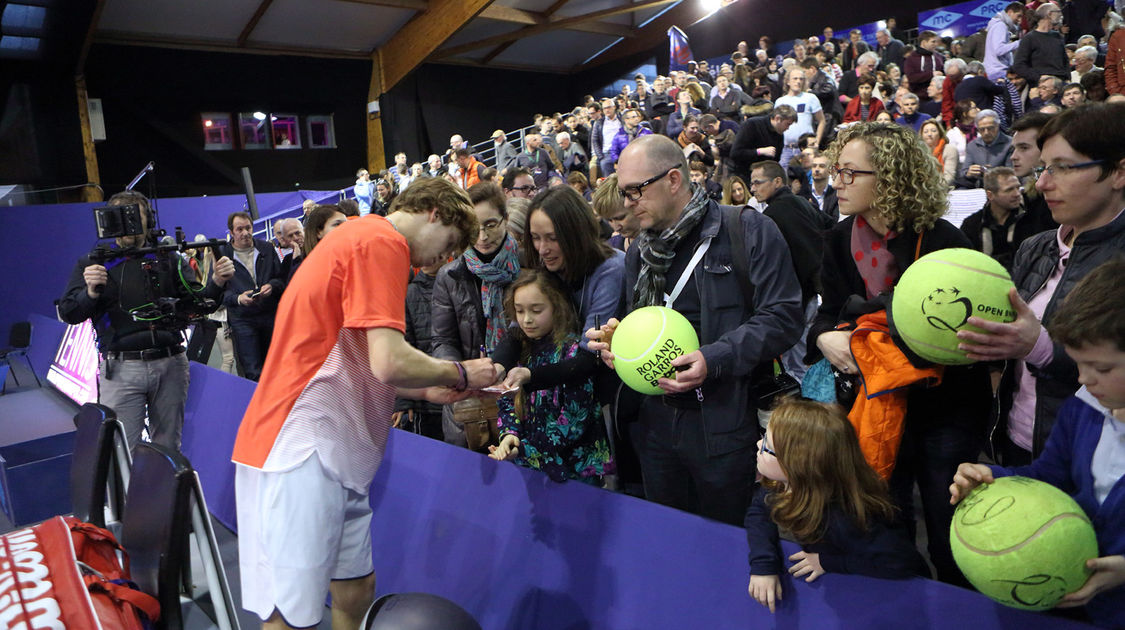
{"points": [[893, 196]]}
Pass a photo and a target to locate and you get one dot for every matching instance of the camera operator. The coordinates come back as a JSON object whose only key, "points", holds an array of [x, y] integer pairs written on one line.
{"points": [[142, 364]]}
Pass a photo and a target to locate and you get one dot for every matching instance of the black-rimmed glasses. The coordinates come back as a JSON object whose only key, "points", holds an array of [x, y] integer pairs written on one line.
{"points": [[1054, 170], [636, 191], [847, 175], [766, 449]]}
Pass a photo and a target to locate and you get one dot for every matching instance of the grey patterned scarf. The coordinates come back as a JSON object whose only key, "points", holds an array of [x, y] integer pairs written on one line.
{"points": [[658, 250]]}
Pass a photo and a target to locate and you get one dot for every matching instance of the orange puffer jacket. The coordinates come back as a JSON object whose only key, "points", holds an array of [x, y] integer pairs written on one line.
{"points": [[886, 375]]}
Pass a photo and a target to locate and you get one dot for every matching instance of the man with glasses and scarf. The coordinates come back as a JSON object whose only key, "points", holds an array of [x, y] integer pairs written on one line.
{"points": [[697, 450]]}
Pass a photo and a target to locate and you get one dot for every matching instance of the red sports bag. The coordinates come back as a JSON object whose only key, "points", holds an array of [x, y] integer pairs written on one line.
{"points": [[64, 573]]}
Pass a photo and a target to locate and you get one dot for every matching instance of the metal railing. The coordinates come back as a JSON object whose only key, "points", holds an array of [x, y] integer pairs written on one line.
{"points": [[487, 149]]}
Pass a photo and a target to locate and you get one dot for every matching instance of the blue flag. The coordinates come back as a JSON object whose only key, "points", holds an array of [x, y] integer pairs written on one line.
{"points": [[680, 50]]}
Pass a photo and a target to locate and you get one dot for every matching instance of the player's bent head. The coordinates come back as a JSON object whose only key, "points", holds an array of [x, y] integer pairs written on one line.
{"points": [[451, 203]]}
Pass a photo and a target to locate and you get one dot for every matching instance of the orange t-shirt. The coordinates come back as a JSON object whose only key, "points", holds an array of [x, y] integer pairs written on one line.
{"points": [[317, 393]]}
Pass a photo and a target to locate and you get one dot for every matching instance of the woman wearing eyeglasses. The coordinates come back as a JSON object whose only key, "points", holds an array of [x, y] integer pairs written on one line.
{"points": [[468, 298], [563, 237], [893, 196], [1083, 184]]}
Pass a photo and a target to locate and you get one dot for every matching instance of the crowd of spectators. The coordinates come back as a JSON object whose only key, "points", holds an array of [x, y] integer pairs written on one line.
{"points": [[840, 153]]}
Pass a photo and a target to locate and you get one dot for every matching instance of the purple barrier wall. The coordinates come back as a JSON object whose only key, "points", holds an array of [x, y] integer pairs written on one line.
{"points": [[42, 243], [520, 551]]}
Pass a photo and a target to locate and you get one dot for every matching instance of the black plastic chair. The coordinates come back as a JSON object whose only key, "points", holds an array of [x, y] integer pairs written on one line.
{"points": [[93, 468], [156, 525], [164, 505], [19, 340]]}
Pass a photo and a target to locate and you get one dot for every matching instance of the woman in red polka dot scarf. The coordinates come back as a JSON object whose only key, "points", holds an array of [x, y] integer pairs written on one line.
{"points": [[892, 197]]}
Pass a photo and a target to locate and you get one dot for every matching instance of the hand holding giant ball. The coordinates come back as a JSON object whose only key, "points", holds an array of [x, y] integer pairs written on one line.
{"points": [[644, 344], [939, 293], [1022, 542]]}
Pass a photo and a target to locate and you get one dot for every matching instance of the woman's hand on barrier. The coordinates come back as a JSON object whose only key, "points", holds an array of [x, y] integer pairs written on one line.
{"points": [[508, 449], [967, 477], [600, 340], [766, 590], [835, 345]]}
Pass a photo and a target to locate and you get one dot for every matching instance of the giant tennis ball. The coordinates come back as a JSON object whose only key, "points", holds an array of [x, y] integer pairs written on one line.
{"points": [[645, 343], [1022, 542], [937, 295]]}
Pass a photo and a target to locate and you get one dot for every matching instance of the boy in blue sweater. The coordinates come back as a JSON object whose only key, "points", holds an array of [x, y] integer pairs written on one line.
{"points": [[1085, 454]]}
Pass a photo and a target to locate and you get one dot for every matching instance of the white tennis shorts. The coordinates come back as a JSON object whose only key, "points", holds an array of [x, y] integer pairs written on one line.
{"points": [[297, 531]]}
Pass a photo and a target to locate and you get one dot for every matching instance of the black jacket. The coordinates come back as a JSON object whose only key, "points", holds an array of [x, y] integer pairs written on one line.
{"points": [[1005, 239], [978, 90], [894, 52], [1039, 54], [735, 337], [1035, 261], [419, 297], [126, 290], [457, 317], [267, 269], [964, 396], [802, 228], [755, 133], [885, 550]]}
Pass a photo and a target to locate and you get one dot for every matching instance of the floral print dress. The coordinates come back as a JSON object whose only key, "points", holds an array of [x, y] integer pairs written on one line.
{"points": [[561, 431]]}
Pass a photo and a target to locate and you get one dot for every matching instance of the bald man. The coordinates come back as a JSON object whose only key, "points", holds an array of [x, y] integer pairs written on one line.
{"points": [[697, 454]]}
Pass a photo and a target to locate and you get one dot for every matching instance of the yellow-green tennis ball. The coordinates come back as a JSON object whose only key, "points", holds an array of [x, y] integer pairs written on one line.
{"points": [[645, 343], [1022, 542], [937, 295]]}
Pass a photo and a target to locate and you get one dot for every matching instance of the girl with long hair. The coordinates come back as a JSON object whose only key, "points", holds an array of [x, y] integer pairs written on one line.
{"points": [[817, 485], [892, 197], [558, 430]]}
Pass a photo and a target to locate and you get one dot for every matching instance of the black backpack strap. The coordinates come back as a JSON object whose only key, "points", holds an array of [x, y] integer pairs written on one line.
{"points": [[732, 217]]}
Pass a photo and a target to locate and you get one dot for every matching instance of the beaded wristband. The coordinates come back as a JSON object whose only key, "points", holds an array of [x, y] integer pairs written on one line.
{"points": [[462, 378]]}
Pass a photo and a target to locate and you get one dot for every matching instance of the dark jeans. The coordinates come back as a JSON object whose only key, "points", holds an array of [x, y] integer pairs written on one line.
{"points": [[251, 337], [606, 166], [678, 472], [929, 456]]}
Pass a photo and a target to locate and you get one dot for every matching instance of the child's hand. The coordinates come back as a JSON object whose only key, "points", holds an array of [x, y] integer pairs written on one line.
{"points": [[1109, 572], [766, 590], [509, 447], [517, 377], [806, 563], [968, 476], [600, 338]]}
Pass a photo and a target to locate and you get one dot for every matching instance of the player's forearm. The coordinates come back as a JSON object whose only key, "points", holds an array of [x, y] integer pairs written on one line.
{"points": [[410, 368]]}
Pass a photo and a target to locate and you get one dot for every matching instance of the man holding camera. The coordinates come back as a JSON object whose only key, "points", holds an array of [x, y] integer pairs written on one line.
{"points": [[133, 301]]}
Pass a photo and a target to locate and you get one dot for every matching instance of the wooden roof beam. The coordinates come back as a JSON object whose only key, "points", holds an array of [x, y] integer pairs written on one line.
{"points": [[652, 35], [419, 38], [550, 25], [253, 23], [496, 52]]}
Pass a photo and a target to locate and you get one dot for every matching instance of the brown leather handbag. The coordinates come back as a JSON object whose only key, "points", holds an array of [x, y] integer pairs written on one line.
{"points": [[478, 416]]}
